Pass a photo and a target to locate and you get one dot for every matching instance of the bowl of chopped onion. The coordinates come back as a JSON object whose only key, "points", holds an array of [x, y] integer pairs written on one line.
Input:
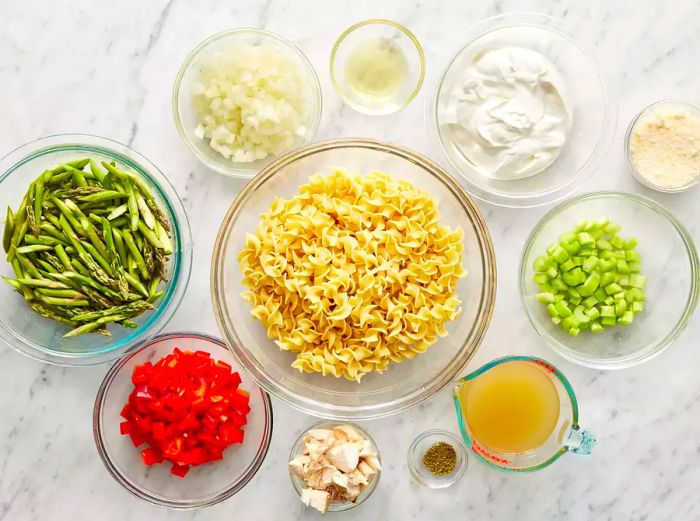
{"points": [[244, 96]]}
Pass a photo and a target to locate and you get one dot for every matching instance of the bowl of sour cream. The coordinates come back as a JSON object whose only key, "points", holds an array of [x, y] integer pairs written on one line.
{"points": [[521, 112]]}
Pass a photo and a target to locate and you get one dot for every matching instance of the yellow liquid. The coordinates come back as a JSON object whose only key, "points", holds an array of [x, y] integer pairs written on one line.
{"points": [[511, 408], [376, 69]]}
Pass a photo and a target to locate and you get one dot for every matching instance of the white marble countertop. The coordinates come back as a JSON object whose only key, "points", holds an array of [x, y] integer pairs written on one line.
{"points": [[107, 68]]}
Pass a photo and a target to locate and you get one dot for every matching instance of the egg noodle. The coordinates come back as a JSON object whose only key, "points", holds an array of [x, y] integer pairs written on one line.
{"points": [[353, 273]]}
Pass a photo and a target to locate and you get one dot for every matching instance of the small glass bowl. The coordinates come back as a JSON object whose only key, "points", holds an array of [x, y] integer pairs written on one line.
{"points": [[386, 31], [669, 261], [186, 118], [594, 112], [335, 506], [402, 385], [417, 450], [204, 485], [41, 338], [640, 118]]}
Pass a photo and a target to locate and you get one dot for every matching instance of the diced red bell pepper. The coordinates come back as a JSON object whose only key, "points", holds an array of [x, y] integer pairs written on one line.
{"points": [[151, 456], [187, 407], [180, 470]]}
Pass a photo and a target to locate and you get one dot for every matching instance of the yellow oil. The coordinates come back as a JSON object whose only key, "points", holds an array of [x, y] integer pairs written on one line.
{"points": [[376, 69], [511, 408]]}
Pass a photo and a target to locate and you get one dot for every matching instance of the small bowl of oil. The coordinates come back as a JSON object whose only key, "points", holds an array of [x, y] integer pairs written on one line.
{"points": [[377, 66]]}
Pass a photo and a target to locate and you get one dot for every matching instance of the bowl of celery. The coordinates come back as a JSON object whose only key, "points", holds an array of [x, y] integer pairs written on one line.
{"points": [[609, 280]]}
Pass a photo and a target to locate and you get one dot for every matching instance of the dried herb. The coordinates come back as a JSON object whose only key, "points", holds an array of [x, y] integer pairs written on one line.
{"points": [[440, 459]]}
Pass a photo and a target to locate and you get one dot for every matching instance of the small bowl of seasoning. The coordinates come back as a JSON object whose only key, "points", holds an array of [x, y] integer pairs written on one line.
{"points": [[377, 66], [437, 458], [663, 146]]}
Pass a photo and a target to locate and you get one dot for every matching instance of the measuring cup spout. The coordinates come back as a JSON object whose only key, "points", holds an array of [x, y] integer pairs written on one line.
{"points": [[579, 441]]}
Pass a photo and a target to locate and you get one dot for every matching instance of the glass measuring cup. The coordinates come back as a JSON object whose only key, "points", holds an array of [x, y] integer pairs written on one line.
{"points": [[567, 436]]}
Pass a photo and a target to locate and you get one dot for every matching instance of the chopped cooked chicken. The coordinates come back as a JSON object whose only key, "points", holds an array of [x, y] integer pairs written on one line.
{"points": [[318, 499], [345, 456], [336, 465]]}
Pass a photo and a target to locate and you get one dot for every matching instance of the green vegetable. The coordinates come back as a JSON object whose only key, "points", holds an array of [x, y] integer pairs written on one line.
{"points": [[98, 248], [590, 279]]}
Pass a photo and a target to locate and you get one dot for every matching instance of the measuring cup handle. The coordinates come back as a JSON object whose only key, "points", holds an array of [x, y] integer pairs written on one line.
{"points": [[580, 441]]}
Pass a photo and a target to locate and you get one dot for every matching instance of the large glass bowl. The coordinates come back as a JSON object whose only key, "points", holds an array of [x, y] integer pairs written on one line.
{"points": [[41, 338], [594, 112], [669, 261], [204, 485], [186, 117], [402, 385]]}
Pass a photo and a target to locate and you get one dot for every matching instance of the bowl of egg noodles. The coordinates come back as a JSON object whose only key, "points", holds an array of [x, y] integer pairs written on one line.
{"points": [[353, 279]]}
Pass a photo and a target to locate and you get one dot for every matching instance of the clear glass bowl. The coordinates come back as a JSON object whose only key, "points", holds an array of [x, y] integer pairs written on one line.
{"points": [[186, 118], [335, 506], [204, 485], [669, 261], [594, 113], [417, 450], [641, 117], [41, 338], [402, 385], [389, 33]]}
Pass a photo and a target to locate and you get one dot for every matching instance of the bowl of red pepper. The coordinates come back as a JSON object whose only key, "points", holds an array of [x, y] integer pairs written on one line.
{"points": [[178, 424]]}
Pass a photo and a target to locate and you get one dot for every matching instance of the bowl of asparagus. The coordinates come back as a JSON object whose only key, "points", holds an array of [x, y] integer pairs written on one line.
{"points": [[97, 249]]}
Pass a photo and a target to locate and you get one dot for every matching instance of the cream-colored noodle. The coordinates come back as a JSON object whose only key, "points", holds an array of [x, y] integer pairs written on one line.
{"points": [[353, 273]]}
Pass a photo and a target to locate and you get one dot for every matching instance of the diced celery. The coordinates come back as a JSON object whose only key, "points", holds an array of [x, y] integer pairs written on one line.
{"points": [[566, 238], [589, 286], [637, 307], [612, 228], [600, 294], [552, 272], [560, 254], [552, 310], [638, 281], [575, 300], [624, 281], [577, 260], [545, 298], [590, 302], [585, 239], [607, 311], [620, 307], [613, 288], [626, 319], [562, 309], [603, 244], [635, 267], [586, 251], [574, 331], [551, 248], [596, 327], [609, 301], [617, 242], [556, 320], [622, 266], [569, 322], [540, 264], [607, 278], [634, 294], [540, 278], [608, 321], [566, 266], [559, 284], [590, 264], [592, 313], [631, 244]]}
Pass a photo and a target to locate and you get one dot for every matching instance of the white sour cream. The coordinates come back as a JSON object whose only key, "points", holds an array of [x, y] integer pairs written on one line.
{"points": [[509, 114]]}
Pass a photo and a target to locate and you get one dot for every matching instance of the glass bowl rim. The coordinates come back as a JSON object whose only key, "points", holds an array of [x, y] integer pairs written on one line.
{"points": [[660, 345], [177, 286], [628, 155], [340, 506], [378, 21], [154, 499], [243, 170], [600, 149], [320, 408], [459, 446]]}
